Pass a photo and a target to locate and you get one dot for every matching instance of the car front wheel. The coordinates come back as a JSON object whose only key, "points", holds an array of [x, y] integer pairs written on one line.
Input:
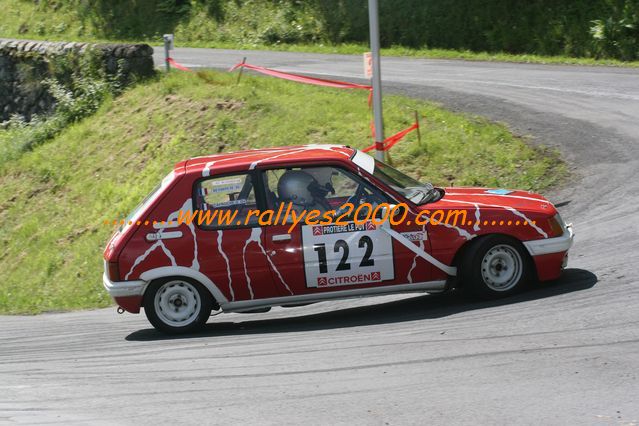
{"points": [[177, 305], [495, 266]]}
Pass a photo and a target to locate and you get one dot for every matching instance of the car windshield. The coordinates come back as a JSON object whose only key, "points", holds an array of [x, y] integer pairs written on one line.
{"points": [[415, 191]]}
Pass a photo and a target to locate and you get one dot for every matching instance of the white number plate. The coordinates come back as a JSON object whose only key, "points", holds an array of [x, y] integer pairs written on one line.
{"points": [[342, 255]]}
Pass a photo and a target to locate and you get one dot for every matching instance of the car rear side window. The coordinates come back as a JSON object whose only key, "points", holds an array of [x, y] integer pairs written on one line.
{"points": [[148, 200], [228, 199]]}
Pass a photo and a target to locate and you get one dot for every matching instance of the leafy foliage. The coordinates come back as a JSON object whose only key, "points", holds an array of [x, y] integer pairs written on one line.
{"points": [[584, 28], [79, 86], [618, 34]]}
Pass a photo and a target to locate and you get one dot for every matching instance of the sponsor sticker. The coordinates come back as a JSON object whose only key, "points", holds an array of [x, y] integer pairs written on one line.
{"points": [[415, 235], [498, 191], [342, 255], [349, 279], [228, 203], [226, 185], [338, 229]]}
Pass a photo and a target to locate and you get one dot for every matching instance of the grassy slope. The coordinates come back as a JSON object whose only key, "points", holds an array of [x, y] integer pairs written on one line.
{"points": [[24, 19], [54, 200]]}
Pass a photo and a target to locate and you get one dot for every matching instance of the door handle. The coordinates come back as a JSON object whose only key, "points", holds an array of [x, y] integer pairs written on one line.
{"points": [[282, 237]]}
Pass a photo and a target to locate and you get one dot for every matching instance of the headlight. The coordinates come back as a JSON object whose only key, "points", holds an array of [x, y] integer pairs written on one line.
{"points": [[557, 225]]}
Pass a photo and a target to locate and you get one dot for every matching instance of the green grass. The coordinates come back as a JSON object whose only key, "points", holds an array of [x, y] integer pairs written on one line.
{"points": [[64, 22], [54, 199]]}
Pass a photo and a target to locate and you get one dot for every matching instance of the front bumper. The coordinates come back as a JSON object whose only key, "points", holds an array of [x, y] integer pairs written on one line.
{"points": [[123, 288], [551, 245]]}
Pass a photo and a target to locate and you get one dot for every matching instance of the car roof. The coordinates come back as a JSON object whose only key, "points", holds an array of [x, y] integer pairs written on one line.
{"points": [[252, 158]]}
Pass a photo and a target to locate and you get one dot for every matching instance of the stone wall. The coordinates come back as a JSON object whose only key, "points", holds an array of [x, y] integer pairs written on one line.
{"points": [[24, 64]]}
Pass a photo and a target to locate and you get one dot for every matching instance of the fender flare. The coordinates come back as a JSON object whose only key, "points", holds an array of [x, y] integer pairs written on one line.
{"points": [[170, 271]]}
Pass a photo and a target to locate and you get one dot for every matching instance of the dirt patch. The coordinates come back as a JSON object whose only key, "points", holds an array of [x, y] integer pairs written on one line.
{"points": [[229, 105]]}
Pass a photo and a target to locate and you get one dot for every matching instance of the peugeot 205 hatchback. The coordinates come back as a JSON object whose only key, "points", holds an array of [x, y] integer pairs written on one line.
{"points": [[179, 270]]}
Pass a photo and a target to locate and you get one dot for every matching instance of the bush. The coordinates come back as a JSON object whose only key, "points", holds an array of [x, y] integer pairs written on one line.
{"points": [[617, 35], [582, 28], [78, 87], [600, 28]]}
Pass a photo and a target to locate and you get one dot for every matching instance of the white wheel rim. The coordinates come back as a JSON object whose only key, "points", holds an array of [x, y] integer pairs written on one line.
{"points": [[177, 303], [501, 268]]}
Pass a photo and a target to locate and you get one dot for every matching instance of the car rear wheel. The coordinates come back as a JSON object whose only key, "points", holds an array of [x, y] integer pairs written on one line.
{"points": [[177, 305], [495, 266]]}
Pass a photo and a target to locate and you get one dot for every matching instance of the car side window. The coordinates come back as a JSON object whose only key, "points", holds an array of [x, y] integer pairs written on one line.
{"points": [[271, 178], [228, 201], [323, 188]]}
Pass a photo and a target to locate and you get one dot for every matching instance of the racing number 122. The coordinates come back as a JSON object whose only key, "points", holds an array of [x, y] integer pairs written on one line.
{"points": [[341, 245]]}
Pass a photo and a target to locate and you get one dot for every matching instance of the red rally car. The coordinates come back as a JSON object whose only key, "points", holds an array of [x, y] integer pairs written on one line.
{"points": [[179, 271]]}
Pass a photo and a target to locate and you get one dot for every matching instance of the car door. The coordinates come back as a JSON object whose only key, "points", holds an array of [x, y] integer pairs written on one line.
{"points": [[230, 238], [355, 254]]}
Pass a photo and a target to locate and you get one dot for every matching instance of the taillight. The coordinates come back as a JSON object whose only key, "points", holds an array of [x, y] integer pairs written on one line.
{"points": [[556, 225], [114, 271]]}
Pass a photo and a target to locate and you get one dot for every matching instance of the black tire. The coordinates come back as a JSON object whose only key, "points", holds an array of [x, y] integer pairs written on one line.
{"points": [[177, 305], [495, 266]]}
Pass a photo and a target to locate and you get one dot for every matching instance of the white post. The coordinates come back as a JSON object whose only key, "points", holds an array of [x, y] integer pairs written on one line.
{"points": [[168, 46], [373, 19]]}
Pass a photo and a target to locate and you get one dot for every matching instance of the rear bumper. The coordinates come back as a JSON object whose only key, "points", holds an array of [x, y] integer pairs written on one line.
{"points": [[551, 245], [123, 288], [127, 294]]}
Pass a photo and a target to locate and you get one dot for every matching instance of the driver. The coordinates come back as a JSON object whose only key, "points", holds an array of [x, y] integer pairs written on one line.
{"points": [[303, 191], [323, 176]]}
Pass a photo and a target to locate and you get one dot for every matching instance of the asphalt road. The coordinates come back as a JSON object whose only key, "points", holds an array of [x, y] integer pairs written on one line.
{"points": [[566, 353]]}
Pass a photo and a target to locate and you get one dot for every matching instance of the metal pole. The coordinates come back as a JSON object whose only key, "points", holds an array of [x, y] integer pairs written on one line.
{"points": [[239, 75], [167, 44], [419, 132], [373, 19]]}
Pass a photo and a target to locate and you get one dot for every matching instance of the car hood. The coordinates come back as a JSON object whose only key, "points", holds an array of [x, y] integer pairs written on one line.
{"points": [[464, 197]]}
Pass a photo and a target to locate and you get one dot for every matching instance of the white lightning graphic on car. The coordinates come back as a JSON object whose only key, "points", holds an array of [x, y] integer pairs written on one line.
{"points": [[510, 209], [477, 218], [228, 264], [414, 264], [170, 222], [206, 171], [305, 148], [148, 251], [256, 234], [253, 237]]}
